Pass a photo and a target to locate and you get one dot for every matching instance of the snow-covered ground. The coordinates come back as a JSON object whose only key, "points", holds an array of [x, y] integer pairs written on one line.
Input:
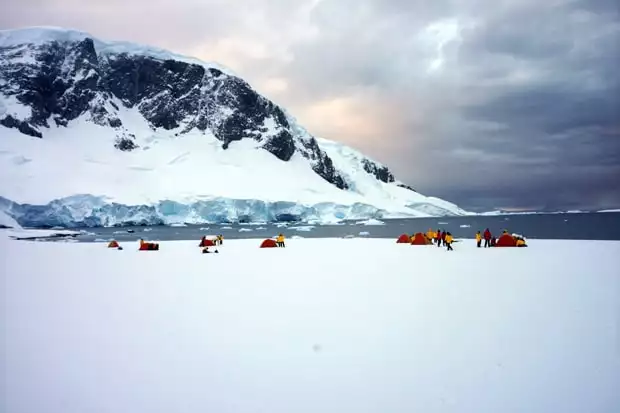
{"points": [[334, 325]]}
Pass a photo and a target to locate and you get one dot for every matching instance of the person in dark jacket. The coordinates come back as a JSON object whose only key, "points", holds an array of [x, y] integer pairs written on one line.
{"points": [[443, 238], [487, 238]]}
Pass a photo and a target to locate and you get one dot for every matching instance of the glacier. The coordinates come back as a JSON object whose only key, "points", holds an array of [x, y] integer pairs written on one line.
{"points": [[80, 211]]}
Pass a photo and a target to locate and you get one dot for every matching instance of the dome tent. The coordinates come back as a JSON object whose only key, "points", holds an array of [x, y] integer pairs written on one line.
{"points": [[269, 243], [403, 239], [420, 239]]}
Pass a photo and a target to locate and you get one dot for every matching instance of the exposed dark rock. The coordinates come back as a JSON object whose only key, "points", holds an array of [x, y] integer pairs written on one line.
{"points": [[125, 144], [322, 164], [281, 145], [115, 122], [22, 126], [380, 172], [407, 187]]}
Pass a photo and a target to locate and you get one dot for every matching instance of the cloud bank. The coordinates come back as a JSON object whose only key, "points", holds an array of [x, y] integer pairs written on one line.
{"points": [[488, 103]]}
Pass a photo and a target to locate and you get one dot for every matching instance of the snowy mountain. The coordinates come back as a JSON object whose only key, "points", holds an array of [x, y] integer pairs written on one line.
{"points": [[110, 133]]}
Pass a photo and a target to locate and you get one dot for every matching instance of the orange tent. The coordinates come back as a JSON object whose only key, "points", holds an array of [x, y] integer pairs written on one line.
{"points": [[506, 240], [113, 244], [268, 243], [420, 239], [403, 239]]}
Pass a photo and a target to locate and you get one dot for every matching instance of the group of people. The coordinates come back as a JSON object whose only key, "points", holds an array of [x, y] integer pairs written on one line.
{"points": [[440, 238], [489, 239], [445, 239]]}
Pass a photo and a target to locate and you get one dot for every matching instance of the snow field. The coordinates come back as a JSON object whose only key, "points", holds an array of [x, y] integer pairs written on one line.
{"points": [[332, 325]]}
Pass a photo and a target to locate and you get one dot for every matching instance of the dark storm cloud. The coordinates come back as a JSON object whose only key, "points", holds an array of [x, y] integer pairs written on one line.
{"points": [[489, 103]]}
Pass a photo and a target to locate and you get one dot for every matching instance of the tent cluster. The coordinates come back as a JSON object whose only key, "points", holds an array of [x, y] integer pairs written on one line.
{"points": [[416, 239], [205, 243], [505, 240]]}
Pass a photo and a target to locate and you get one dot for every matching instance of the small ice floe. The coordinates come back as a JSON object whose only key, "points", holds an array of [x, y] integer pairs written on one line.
{"points": [[119, 232], [465, 226], [349, 236], [443, 223], [245, 230], [226, 227], [149, 229], [370, 221], [178, 224], [204, 228], [303, 228], [260, 228], [281, 224], [364, 234]]}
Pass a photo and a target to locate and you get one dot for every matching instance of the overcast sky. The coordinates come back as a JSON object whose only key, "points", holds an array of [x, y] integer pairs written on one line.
{"points": [[509, 104]]}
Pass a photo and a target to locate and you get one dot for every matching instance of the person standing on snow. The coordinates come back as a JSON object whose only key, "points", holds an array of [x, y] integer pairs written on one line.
{"points": [[280, 240], [478, 239], [448, 241], [443, 238], [487, 238], [430, 235], [438, 237]]}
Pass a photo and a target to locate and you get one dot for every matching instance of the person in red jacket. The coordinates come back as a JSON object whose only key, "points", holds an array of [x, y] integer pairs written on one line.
{"points": [[443, 238], [438, 238], [487, 238]]}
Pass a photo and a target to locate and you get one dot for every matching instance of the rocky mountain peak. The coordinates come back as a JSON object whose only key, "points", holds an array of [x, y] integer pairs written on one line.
{"points": [[51, 78]]}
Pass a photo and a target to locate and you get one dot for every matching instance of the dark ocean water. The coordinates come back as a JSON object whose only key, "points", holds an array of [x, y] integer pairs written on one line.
{"points": [[586, 226]]}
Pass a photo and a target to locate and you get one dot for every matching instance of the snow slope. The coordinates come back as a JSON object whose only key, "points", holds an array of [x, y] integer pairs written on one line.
{"points": [[74, 175], [188, 179], [8, 222], [503, 330]]}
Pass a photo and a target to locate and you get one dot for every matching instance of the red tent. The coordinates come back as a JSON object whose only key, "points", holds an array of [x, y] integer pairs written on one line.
{"points": [[403, 239], [207, 243], [506, 240], [149, 246], [113, 244], [268, 243], [419, 239]]}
